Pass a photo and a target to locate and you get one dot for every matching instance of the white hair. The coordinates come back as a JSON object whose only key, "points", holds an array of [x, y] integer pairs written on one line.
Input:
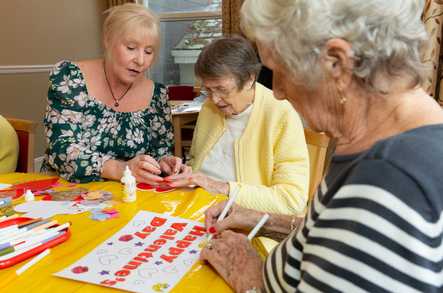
{"points": [[386, 35]]}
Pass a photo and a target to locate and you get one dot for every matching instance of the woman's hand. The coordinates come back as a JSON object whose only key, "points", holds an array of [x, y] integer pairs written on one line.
{"points": [[233, 257], [171, 165], [237, 218], [145, 169], [189, 179]]}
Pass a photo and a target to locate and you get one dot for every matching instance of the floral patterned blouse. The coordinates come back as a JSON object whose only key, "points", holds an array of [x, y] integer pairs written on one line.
{"points": [[83, 133]]}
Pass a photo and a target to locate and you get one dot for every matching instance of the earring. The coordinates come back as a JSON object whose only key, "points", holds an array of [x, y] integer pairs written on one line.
{"points": [[342, 98]]}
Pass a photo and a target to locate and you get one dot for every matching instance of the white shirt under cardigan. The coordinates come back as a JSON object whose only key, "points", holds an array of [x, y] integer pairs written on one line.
{"points": [[220, 162]]}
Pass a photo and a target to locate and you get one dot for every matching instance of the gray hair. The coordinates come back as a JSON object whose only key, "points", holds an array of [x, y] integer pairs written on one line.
{"points": [[228, 56], [386, 35]]}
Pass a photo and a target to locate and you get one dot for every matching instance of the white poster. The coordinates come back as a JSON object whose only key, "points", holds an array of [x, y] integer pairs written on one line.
{"points": [[150, 254]]}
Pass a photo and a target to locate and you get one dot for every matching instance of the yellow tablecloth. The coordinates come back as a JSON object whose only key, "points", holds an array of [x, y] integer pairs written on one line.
{"points": [[87, 234]]}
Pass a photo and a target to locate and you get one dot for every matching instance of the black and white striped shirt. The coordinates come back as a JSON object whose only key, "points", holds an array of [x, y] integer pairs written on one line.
{"points": [[378, 227]]}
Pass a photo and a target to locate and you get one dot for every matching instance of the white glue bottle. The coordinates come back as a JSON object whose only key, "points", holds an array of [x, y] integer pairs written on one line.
{"points": [[130, 188]]}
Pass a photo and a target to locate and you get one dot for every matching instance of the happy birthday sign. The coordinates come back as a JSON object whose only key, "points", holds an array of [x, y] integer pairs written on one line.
{"points": [[150, 254]]}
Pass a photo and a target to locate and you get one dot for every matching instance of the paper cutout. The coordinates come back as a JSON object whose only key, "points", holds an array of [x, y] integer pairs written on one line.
{"points": [[145, 187], [159, 189], [47, 209], [152, 257], [162, 189], [104, 214]]}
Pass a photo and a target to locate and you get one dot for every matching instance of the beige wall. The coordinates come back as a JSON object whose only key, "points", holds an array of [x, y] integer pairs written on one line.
{"points": [[36, 32]]}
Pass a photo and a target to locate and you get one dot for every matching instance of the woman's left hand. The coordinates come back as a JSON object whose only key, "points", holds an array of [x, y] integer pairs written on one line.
{"points": [[199, 179], [171, 165], [233, 257]]}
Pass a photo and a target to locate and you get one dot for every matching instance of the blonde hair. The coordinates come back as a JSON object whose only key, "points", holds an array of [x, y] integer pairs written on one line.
{"points": [[131, 18], [386, 36]]}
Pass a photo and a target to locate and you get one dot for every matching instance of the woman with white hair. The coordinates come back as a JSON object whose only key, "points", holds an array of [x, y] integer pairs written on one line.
{"points": [[104, 114], [350, 68]]}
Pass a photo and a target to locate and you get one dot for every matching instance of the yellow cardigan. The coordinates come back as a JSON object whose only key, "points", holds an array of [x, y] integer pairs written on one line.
{"points": [[8, 147], [271, 156]]}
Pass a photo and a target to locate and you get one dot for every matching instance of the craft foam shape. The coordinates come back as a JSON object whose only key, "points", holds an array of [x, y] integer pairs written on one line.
{"points": [[163, 189], [145, 187]]}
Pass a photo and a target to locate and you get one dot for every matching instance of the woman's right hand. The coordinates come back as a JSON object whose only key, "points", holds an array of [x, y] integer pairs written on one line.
{"points": [[235, 259], [237, 218], [145, 169]]}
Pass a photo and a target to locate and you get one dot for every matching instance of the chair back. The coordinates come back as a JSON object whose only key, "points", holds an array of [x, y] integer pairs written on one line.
{"points": [[320, 149], [25, 130]]}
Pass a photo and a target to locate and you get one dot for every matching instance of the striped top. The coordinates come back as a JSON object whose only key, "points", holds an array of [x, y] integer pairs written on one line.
{"points": [[376, 227]]}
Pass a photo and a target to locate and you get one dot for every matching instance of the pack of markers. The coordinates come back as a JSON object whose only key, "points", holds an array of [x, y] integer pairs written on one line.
{"points": [[22, 238]]}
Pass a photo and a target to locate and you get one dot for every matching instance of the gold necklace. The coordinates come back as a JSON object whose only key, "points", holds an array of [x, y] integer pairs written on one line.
{"points": [[116, 101]]}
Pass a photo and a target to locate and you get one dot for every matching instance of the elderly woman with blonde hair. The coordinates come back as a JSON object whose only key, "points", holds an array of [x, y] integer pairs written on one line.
{"points": [[352, 69], [104, 114]]}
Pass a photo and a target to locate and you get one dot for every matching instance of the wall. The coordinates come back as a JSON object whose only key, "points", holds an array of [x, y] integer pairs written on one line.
{"points": [[37, 32]]}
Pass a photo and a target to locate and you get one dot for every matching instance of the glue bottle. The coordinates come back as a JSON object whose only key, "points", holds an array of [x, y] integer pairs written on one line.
{"points": [[29, 196], [129, 189]]}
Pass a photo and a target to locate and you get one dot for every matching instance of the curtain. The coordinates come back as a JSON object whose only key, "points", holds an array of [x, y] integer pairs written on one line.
{"points": [[231, 16], [433, 54], [112, 3]]}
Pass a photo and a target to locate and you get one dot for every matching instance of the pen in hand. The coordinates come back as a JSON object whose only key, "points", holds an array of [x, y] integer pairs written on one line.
{"points": [[257, 227], [225, 211]]}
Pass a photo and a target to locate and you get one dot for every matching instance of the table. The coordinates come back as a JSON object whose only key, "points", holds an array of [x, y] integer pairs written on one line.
{"points": [[87, 234], [178, 120]]}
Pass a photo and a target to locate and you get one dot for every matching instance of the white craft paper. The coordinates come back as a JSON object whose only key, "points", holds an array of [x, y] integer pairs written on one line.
{"points": [[48, 208], [150, 254]]}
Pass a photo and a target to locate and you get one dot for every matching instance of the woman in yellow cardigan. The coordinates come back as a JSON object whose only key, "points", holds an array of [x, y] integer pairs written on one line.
{"points": [[8, 147], [246, 142]]}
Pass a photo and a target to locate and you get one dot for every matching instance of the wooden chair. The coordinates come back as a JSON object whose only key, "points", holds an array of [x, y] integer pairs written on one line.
{"points": [[26, 136], [320, 148], [183, 123]]}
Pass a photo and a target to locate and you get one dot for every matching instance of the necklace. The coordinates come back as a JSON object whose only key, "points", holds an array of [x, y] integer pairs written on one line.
{"points": [[116, 100]]}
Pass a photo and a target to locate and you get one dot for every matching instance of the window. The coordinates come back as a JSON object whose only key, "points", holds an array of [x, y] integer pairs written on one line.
{"points": [[186, 27]]}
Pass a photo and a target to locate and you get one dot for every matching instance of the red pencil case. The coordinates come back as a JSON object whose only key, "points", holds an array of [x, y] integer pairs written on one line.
{"points": [[27, 254]]}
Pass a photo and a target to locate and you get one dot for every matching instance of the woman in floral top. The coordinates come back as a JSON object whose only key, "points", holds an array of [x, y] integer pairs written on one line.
{"points": [[104, 115]]}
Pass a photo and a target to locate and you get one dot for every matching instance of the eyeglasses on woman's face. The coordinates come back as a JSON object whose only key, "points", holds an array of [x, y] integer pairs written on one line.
{"points": [[220, 90], [226, 95]]}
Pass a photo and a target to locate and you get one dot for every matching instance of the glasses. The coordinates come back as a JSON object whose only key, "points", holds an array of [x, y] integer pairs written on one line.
{"points": [[220, 93]]}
